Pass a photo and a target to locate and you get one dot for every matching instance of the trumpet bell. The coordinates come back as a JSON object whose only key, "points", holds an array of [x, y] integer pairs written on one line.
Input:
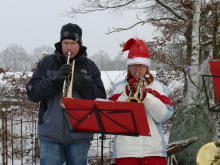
{"points": [[133, 99], [62, 104], [209, 154]]}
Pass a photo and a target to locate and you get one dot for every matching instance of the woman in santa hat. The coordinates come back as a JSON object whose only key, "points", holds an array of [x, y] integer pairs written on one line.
{"points": [[141, 150]]}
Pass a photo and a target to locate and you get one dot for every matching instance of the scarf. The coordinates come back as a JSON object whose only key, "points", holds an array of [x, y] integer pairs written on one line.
{"points": [[132, 84]]}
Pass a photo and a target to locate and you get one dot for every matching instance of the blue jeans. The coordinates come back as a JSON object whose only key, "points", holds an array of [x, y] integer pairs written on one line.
{"points": [[52, 153]]}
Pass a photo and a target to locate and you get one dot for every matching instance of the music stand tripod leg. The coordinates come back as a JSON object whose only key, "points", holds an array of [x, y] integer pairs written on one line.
{"points": [[102, 137], [101, 130]]}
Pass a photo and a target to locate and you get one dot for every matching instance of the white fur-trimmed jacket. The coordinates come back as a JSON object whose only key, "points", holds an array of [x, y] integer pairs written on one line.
{"points": [[158, 110]]}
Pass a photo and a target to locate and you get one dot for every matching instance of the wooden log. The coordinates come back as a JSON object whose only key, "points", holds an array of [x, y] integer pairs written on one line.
{"points": [[175, 147]]}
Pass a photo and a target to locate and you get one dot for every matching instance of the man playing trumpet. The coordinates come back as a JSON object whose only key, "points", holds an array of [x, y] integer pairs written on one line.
{"points": [[46, 87], [142, 88]]}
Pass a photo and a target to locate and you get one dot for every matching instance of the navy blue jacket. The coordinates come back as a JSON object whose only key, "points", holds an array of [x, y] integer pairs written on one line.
{"points": [[44, 88]]}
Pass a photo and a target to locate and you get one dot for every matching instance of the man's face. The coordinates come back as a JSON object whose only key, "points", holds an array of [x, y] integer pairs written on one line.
{"points": [[70, 46], [138, 70]]}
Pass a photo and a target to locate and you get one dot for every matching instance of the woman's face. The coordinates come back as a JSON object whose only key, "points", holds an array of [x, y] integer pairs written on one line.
{"points": [[137, 70]]}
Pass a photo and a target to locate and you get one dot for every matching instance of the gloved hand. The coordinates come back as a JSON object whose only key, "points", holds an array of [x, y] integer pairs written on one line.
{"points": [[63, 73], [78, 81]]}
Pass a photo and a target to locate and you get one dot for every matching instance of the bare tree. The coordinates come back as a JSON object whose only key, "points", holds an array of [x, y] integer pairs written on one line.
{"points": [[15, 58], [119, 63], [37, 52], [102, 60]]}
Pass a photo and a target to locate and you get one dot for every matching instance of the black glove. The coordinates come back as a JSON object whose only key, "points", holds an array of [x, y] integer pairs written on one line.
{"points": [[63, 73], [78, 81]]}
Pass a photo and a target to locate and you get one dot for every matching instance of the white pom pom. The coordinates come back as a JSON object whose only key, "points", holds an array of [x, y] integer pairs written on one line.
{"points": [[121, 53]]}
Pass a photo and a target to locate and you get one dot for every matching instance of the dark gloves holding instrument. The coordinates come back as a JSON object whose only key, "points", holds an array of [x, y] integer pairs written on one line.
{"points": [[63, 73]]}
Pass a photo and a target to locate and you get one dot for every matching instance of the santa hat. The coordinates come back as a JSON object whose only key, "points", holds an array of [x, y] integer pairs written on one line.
{"points": [[138, 52]]}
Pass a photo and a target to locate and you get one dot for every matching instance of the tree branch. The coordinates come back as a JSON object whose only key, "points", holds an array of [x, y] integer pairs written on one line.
{"points": [[161, 19], [171, 10], [121, 29], [92, 6]]}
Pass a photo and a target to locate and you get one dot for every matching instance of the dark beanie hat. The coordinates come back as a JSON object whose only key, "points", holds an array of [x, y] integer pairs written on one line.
{"points": [[72, 32]]}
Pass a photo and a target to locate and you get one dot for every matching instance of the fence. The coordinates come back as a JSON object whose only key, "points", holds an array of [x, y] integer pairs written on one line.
{"points": [[20, 144], [18, 125], [18, 136]]}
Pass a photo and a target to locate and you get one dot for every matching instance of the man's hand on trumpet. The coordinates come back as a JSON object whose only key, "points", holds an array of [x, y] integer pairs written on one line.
{"points": [[63, 73]]}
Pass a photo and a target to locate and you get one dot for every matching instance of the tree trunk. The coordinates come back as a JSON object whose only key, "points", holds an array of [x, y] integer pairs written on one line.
{"points": [[194, 73]]}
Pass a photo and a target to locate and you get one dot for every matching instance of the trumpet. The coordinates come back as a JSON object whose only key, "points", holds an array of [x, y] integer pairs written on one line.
{"points": [[68, 83], [134, 98]]}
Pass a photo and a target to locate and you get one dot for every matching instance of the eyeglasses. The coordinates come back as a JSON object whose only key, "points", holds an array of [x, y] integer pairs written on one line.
{"points": [[69, 43]]}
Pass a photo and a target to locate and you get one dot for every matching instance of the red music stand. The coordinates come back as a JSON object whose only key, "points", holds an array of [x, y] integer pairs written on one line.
{"points": [[215, 70], [106, 117]]}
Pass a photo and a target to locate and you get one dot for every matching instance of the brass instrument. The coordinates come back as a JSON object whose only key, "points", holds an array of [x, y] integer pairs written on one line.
{"points": [[68, 83], [134, 98], [209, 154]]}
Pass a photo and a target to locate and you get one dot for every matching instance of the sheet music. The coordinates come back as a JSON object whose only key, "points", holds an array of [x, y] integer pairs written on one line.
{"points": [[101, 99]]}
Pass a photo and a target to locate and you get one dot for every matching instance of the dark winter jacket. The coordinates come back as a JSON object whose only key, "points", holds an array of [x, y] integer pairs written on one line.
{"points": [[44, 88]]}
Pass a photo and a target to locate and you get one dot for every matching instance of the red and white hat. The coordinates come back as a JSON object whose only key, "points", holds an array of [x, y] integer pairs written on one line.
{"points": [[138, 52]]}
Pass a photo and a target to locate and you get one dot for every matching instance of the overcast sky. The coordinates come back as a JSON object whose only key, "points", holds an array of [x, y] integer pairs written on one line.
{"points": [[31, 24]]}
